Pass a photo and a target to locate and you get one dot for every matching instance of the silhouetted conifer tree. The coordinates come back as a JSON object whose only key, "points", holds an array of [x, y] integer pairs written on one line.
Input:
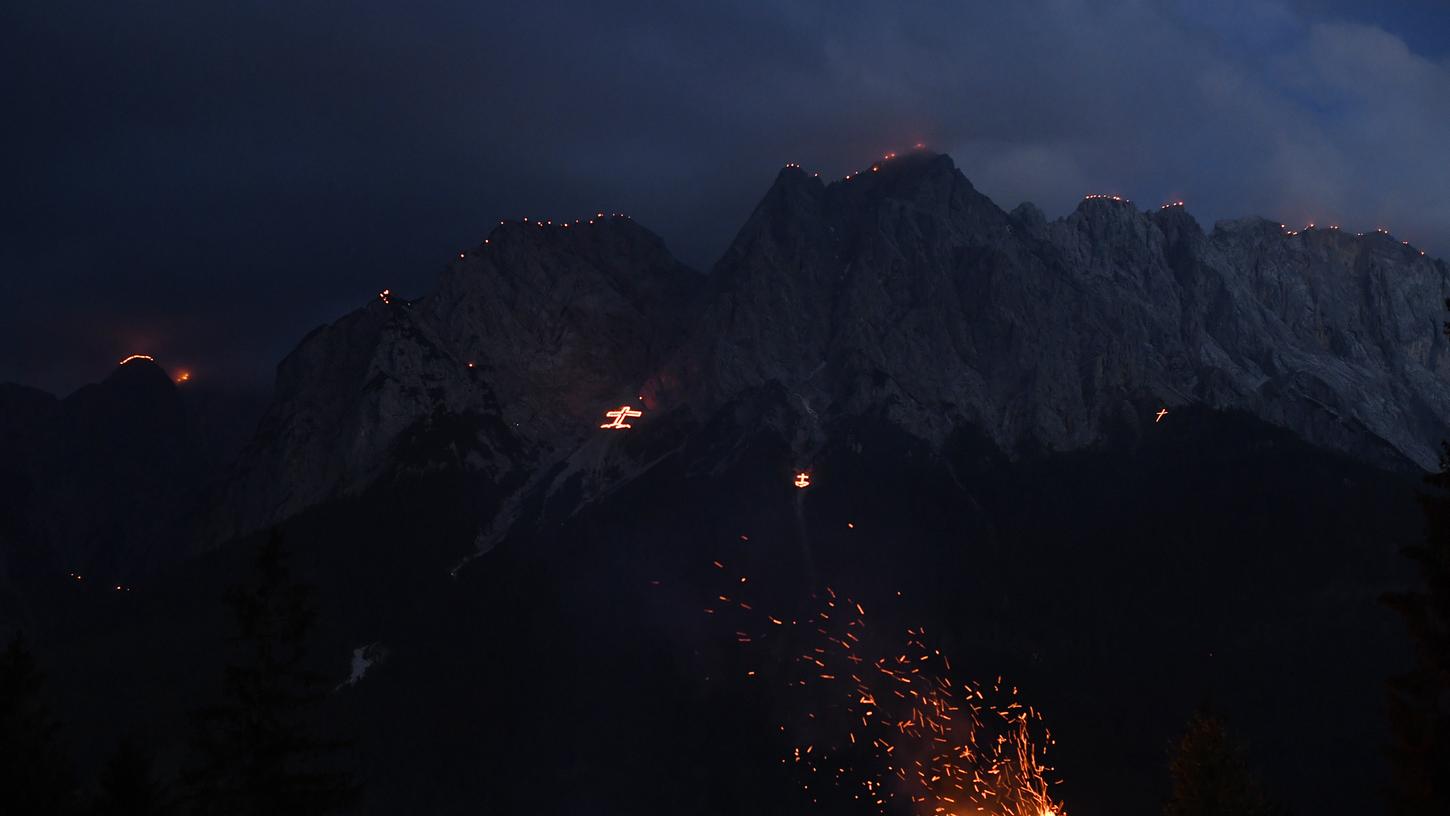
{"points": [[35, 773], [260, 755], [128, 785], [1211, 776], [1419, 699]]}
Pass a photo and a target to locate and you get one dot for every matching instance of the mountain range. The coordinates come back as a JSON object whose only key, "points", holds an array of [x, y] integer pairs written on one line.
{"points": [[1127, 459], [899, 292]]}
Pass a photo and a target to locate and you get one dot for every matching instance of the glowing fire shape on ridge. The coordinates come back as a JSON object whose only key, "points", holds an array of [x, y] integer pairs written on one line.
{"points": [[132, 358], [803, 479], [618, 416]]}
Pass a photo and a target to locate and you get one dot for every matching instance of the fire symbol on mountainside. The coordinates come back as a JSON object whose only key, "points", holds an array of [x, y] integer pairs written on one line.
{"points": [[803, 479], [618, 416], [1162, 412]]}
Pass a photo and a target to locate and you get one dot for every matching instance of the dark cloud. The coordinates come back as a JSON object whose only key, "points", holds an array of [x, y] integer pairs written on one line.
{"points": [[206, 183]]}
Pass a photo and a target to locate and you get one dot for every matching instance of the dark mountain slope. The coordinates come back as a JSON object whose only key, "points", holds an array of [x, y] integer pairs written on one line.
{"points": [[1117, 588], [105, 482], [526, 338], [973, 394]]}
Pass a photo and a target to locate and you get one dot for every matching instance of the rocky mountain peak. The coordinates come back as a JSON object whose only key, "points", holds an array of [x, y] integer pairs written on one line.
{"points": [[140, 372], [1028, 216], [528, 338], [900, 292]]}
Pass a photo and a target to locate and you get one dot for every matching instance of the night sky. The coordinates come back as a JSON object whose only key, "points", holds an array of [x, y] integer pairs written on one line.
{"points": [[207, 184]]}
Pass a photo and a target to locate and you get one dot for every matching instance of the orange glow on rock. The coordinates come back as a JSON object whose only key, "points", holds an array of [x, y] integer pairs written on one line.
{"points": [[183, 376], [618, 416]]}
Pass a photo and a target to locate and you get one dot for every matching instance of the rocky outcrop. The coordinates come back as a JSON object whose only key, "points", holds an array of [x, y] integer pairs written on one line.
{"points": [[905, 289], [901, 292], [530, 336]]}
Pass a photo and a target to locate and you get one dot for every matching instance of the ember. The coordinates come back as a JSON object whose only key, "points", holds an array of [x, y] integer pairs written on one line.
{"points": [[883, 720]]}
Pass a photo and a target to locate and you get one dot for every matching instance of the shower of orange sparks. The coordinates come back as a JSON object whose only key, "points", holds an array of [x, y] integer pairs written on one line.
{"points": [[906, 730]]}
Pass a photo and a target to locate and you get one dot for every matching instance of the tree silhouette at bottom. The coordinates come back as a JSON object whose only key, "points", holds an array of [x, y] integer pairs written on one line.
{"points": [[258, 749], [1419, 699], [1211, 776], [35, 773], [128, 785]]}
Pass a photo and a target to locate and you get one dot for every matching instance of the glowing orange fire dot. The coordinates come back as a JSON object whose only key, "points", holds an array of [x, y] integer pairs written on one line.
{"points": [[183, 376]]}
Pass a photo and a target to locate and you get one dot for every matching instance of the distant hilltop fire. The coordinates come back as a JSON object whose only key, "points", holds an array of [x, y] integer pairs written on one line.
{"points": [[182, 376]]}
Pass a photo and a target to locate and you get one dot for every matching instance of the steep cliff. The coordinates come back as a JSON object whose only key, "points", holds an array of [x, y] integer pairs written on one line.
{"points": [[900, 293]]}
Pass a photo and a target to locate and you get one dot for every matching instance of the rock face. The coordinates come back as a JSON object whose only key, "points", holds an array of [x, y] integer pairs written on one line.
{"points": [[901, 293], [906, 289], [529, 337]]}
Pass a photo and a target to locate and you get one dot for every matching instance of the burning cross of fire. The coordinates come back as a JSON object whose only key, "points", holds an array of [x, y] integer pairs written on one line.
{"points": [[619, 416], [1162, 412], [803, 479]]}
